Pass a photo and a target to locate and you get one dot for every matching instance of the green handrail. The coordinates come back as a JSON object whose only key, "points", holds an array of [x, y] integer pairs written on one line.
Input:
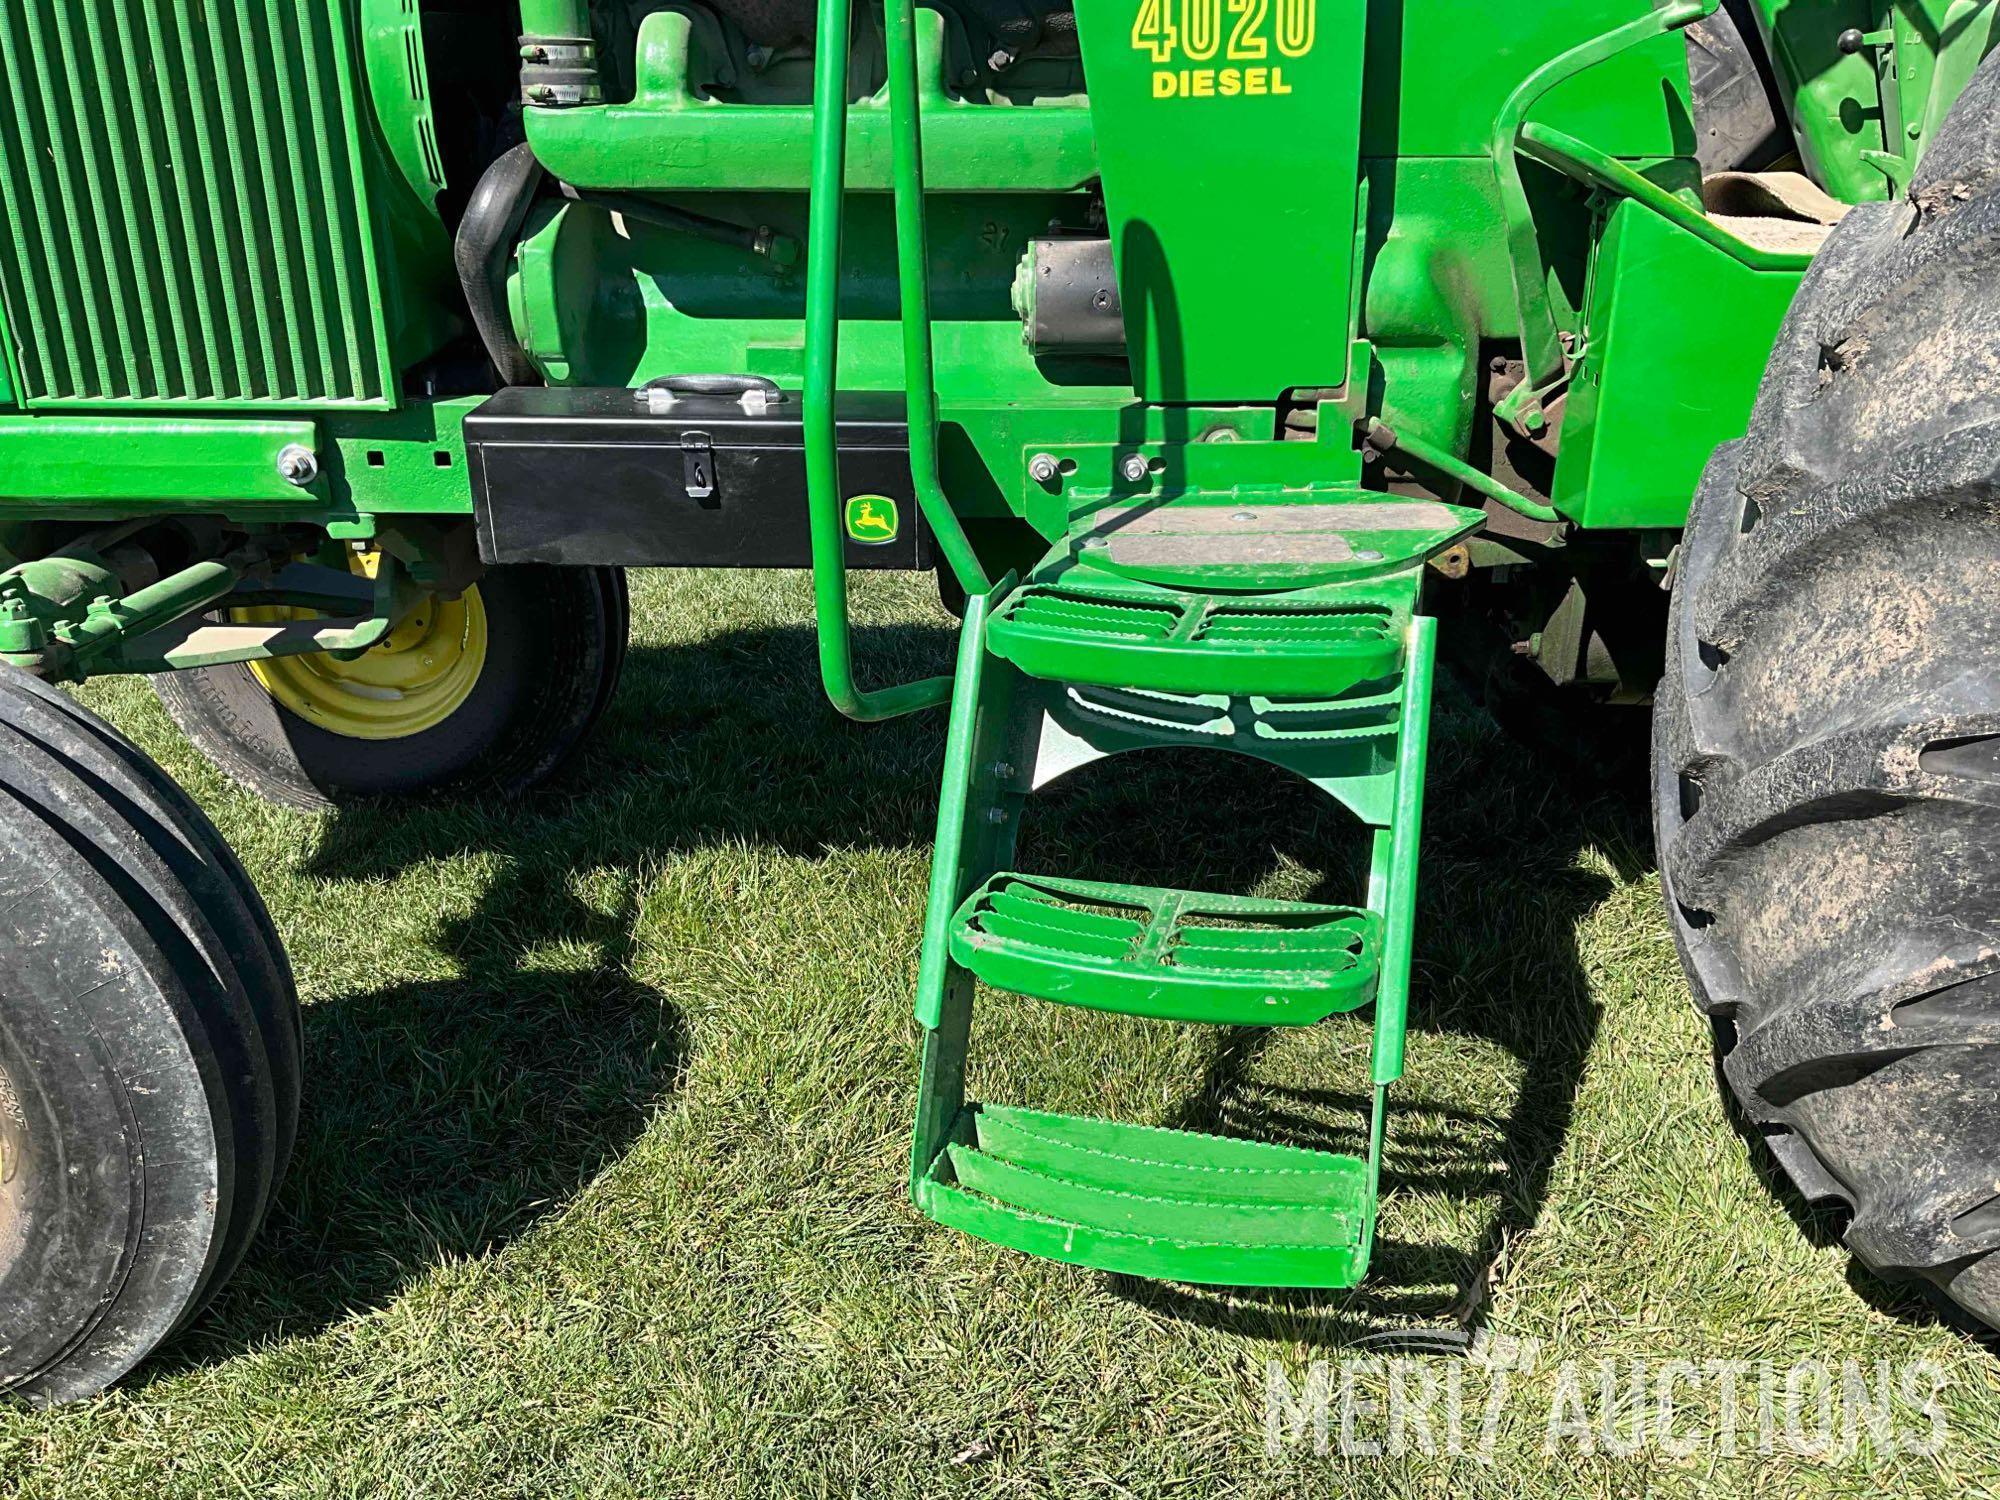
{"points": [[899, 26], [1586, 163], [1541, 342], [822, 361]]}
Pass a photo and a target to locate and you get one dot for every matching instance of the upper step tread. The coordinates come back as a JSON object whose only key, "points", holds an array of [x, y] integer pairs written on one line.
{"points": [[1172, 954], [1087, 627]]}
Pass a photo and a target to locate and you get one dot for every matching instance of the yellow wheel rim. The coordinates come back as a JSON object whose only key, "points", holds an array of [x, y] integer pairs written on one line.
{"points": [[413, 680]]}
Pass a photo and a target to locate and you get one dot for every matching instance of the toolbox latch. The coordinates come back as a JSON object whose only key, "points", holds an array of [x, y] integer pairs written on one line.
{"points": [[698, 466]]}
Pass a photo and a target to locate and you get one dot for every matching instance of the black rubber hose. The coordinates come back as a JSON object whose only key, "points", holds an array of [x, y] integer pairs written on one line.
{"points": [[486, 234]]}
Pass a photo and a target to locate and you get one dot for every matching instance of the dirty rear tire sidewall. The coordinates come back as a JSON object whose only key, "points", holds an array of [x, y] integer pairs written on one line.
{"points": [[1827, 736]]}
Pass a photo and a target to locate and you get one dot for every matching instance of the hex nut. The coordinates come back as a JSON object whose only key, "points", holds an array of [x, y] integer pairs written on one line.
{"points": [[297, 464]]}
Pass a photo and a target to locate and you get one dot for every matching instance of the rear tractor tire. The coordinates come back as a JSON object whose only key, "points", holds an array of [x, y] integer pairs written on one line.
{"points": [[489, 692], [149, 1052], [1827, 736]]}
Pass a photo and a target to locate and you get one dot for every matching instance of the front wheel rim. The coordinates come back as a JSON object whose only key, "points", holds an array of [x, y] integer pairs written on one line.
{"points": [[413, 680]]}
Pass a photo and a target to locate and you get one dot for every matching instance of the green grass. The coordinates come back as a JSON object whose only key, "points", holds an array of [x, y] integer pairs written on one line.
{"points": [[600, 1187]]}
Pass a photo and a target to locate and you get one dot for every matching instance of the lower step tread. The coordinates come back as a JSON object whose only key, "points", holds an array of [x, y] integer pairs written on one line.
{"points": [[1151, 1202]]}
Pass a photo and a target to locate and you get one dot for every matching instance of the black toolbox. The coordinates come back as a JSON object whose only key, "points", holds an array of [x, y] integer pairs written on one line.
{"points": [[584, 475]]}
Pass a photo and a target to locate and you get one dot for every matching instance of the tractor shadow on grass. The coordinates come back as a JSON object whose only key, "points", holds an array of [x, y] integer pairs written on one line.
{"points": [[443, 1118]]}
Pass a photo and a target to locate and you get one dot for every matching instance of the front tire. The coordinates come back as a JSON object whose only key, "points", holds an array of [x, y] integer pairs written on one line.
{"points": [[149, 1052], [1827, 737], [492, 692]]}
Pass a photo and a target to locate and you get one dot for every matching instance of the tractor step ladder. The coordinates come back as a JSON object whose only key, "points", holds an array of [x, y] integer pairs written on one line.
{"points": [[1328, 677], [1248, 597]]}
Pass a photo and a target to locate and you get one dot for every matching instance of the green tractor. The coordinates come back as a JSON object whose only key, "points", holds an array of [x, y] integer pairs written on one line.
{"points": [[1225, 359]]}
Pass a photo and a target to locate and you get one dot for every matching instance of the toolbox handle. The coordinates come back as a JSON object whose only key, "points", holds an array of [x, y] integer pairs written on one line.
{"points": [[754, 392]]}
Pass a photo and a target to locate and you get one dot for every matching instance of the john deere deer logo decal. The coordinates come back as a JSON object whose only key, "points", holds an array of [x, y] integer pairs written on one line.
{"points": [[872, 519]]}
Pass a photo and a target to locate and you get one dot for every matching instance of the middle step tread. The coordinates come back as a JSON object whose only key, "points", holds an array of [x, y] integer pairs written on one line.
{"points": [[1170, 954]]}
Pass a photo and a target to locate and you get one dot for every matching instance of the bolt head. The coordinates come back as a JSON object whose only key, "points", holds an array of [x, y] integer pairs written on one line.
{"points": [[1043, 468], [1133, 468], [297, 464]]}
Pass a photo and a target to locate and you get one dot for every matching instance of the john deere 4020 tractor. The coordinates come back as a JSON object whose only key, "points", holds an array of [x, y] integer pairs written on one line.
{"points": [[1224, 359]]}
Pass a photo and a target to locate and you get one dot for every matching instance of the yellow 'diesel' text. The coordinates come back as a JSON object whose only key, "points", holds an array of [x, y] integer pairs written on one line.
{"points": [[1218, 83]]}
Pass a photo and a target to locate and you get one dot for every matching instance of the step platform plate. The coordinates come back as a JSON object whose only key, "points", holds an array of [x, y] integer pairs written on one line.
{"points": [[1171, 1204], [1271, 543], [1174, 955]]}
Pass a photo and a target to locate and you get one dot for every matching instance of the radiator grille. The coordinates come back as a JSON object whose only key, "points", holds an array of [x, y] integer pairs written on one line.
{"points": [[186, 215]]}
